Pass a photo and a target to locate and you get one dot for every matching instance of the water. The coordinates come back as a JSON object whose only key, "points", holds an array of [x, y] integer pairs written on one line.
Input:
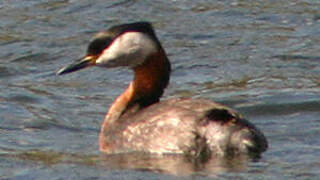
{"points": [[259, 57]]}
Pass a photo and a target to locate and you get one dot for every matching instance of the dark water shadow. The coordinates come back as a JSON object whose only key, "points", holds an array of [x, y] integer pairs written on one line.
{"points": [[297, 57], [122, 3], [282, 108]]}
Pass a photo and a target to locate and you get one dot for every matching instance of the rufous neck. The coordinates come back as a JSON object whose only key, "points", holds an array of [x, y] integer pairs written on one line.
{"points": [[150, 80]]}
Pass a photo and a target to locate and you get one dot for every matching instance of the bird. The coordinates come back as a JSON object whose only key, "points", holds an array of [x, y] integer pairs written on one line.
{"points": [[137, 121]]}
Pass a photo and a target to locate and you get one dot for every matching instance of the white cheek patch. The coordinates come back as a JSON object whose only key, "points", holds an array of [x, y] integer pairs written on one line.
{"points": [[129, 49]]}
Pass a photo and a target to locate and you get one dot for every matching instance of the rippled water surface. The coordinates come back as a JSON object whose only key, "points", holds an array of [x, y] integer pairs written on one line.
{"points": [[259, 57]]}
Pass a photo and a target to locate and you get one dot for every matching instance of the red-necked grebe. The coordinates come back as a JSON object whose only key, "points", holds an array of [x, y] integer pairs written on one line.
{"points": [[137, 121]]}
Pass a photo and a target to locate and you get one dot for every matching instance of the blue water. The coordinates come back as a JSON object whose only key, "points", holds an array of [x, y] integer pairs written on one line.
{"points": [[259, 57]]}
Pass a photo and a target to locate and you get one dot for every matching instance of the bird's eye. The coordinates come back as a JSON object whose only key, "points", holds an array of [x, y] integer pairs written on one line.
{"points": [[98, 45]]}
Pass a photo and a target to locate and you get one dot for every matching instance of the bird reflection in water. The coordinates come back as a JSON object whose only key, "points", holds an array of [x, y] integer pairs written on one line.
{"points": [[179, 165]]}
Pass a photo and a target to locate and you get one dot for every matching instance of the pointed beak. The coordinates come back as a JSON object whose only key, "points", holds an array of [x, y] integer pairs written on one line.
{"points": [[77, 65]]}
